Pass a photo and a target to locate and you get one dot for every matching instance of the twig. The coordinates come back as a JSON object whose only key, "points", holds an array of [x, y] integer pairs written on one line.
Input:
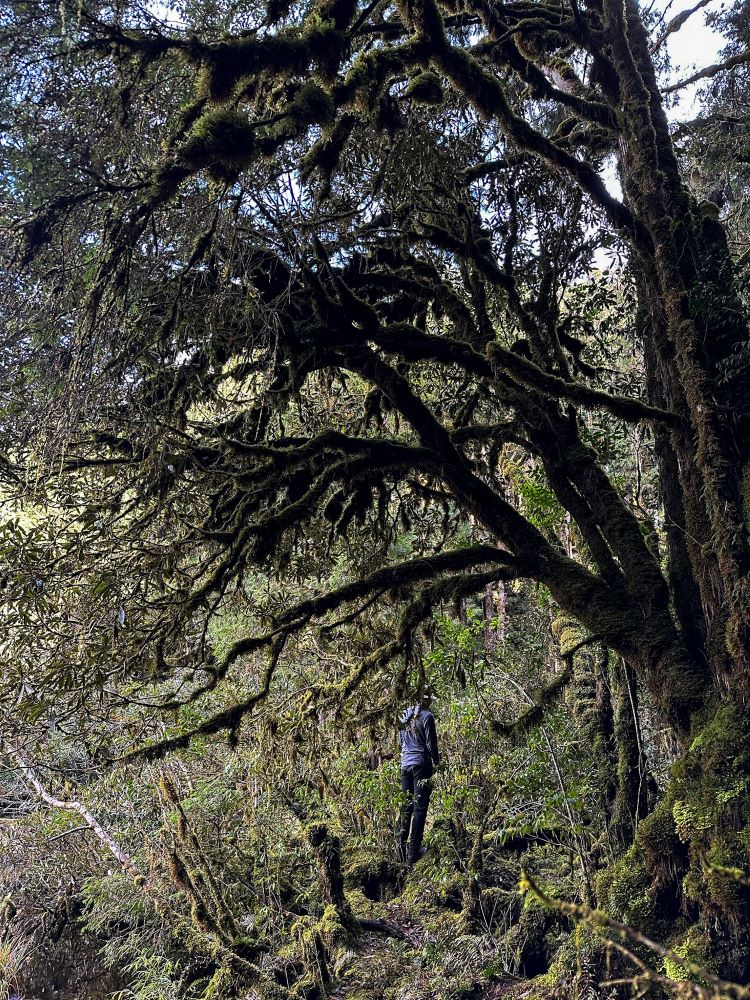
{"points": [[66, 833], [625, 933]]}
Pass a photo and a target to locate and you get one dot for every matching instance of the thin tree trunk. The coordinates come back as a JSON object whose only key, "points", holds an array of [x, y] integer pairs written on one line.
{"points": [[106, 838]]}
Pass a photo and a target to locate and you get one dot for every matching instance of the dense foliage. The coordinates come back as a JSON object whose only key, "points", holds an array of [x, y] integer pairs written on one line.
{"points": [[334, 366]]}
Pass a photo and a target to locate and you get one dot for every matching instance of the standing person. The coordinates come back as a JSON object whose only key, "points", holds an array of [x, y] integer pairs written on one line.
{"points": [[419, 758]]}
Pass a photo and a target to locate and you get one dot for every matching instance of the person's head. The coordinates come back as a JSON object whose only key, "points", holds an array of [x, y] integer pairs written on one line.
{"points": [[427, 698]]}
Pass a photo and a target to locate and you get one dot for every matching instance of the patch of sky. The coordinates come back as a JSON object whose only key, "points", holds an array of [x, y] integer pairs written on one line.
{"points": [[695, 46]]}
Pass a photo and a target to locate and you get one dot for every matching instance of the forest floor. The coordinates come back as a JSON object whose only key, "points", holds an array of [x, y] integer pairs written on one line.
{"points": [[409, 938]]}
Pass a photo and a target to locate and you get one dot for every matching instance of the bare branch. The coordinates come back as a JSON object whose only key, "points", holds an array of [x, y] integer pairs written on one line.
{"points": [[92, 823], [737, 60], [676, 23]]}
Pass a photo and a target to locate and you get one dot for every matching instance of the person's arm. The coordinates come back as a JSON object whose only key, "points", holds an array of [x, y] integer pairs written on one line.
{"points": [[430, 735]]}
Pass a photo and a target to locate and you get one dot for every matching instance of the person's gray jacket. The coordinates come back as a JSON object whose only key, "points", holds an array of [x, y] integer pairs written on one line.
{"points": [[419, 743]]}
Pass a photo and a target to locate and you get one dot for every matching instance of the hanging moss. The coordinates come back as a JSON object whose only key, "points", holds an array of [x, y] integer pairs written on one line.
{"points": [[364, 83], [311, 105], [221, 141], [234, 65], [324, 157], [426, 88], [340, 12], [326, 45], [229, 63], [168, 790]]}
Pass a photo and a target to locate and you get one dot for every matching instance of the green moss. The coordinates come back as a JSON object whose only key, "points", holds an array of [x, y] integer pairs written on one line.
{"points": [[219, 986], [426, 88], [711, 807], [624, 891], [307, 987], [364, 83], [568, 632], [231, 61], [221, 141], [330, 927], [360, 905], [689, 818], [312, 105], [725, 866], [324, 157], [694, 946], [371, 873], [432, 885], [541, 986], [658, 845], [691, 853], [236, 63]]}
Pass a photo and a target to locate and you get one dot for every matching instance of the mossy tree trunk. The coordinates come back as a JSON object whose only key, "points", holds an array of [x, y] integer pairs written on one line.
{"points": [[695, 848], [630, 802], [327, 849], [688, 637]]}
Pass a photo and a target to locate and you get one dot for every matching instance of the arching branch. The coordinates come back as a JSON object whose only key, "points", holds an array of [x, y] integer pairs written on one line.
{"points": [[710, 71]]}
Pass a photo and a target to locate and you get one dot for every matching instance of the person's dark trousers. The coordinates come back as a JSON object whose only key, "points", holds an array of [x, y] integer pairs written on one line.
{"points": [[416, 784]]}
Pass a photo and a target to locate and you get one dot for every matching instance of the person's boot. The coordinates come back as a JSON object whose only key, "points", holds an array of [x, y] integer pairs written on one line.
{"points": [[417, 856]]}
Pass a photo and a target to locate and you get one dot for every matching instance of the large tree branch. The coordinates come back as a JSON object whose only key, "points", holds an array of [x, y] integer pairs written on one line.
{"points": [[534, 715], [412, 344], [608, 611], [704, 74], [413, 615], [402, 574], [228, 719], [393, 577], [531, 376], [383, 457], [533, 63]]}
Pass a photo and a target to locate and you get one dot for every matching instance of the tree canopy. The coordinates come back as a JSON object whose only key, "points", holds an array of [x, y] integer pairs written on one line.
{"points": [[323, 320]]}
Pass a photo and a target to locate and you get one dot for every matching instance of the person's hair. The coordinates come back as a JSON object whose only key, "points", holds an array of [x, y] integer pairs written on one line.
{"points": [[415, 716]]}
